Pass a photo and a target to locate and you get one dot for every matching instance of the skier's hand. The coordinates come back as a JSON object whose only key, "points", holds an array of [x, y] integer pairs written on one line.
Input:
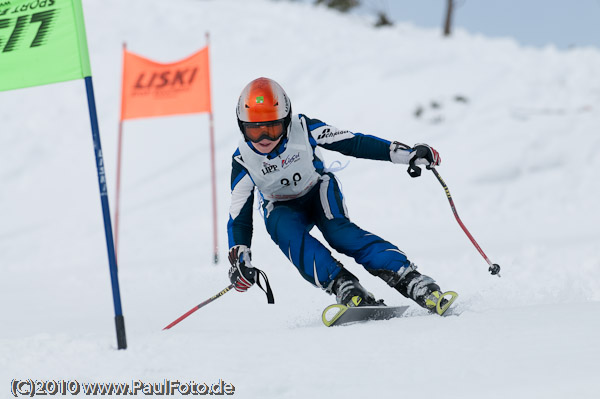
{"points": [[241, 273], [422, 154]]}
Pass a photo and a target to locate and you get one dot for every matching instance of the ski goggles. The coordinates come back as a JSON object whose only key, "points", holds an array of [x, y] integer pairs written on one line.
{"points": [[258, 131]]}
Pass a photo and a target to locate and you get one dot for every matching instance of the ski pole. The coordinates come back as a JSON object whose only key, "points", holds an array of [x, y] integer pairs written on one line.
{"points": [[415, 171], [199, 306], [494, 267]]}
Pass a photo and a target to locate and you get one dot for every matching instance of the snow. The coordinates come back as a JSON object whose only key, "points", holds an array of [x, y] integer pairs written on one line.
{"points": [[519, 157]]}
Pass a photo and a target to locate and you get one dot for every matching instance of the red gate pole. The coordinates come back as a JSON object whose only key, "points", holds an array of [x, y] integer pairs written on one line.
{"points": [[213, 173], [119, 156]]}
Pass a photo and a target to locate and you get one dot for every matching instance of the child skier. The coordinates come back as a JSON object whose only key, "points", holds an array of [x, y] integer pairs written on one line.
{"points": [[279, 155]]}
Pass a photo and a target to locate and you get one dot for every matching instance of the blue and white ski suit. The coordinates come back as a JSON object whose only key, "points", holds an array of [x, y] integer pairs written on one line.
{"points": [[297, 194]]}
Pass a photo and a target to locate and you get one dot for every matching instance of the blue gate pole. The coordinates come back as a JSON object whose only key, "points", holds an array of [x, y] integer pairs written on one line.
{"points": [[112, 261]]}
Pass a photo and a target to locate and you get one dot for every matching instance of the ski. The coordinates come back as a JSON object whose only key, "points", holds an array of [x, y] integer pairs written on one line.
{"points": [[335, 315], [444, 301]]}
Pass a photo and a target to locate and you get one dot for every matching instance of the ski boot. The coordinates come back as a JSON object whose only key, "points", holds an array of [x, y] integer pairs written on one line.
{"points": [[420, 288], [424, 291], [349, 292]]}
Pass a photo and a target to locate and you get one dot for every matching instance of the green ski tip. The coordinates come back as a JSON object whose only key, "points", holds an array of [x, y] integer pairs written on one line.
{"points": [[451, 297]]}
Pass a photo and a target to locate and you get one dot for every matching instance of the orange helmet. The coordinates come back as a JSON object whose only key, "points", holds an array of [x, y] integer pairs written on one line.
{"points": [[264, 111]]}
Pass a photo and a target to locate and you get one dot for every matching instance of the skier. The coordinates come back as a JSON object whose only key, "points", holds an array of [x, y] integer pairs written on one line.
{"points": [[279, 155]]}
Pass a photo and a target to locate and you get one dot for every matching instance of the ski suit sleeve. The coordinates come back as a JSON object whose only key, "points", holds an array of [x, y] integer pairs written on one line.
{"points": [[239, 226], [357, 145]]}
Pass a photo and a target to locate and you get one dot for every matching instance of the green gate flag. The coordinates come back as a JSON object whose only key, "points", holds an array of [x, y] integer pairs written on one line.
{"points": [[41, 42]]}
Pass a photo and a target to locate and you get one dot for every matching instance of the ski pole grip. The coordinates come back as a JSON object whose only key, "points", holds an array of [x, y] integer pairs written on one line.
{"points": [[413, 170]]}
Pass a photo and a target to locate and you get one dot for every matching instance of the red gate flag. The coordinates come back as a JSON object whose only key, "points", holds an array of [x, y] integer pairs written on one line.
{"points": [[154, 89]]}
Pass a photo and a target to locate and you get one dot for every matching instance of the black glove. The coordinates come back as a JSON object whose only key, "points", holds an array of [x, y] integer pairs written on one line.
{"points": [[422, 154], [426, 155], [241, 273]]}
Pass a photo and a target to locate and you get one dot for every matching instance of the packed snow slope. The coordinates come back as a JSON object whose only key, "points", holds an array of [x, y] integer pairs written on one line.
{"points": [[518, 130]]}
